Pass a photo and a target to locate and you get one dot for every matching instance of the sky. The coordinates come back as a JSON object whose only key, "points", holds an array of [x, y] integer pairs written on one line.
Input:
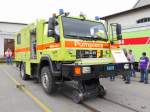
{"points": [[27, 11]]}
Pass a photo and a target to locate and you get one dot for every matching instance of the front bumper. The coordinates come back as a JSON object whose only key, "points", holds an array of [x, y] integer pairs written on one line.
{"points": [[103, 70]]}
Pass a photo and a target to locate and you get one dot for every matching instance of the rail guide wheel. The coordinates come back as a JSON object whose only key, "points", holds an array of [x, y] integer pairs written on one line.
{"points": [[77, 96]]}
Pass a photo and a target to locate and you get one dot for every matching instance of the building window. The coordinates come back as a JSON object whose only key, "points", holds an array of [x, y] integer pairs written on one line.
{"points": [[143, 20], [19, 38]]}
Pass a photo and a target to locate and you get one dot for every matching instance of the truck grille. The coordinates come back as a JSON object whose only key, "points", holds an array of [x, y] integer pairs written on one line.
{"points": [[86, 54]]}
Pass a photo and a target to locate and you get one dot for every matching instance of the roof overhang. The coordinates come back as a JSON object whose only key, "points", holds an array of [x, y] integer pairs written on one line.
{"points": [[13, 23], [126, 12]]}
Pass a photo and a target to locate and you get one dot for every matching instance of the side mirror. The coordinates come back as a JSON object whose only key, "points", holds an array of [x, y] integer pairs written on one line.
{"points": [[118, 31], [51, 29]]}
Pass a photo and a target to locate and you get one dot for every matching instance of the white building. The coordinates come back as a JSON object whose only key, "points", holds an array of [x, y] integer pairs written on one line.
{"points": [[138, 17], [7, 34]]}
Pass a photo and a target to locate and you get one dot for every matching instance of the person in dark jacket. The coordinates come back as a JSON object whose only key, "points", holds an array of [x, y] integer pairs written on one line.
{"points": [[126, 54]]}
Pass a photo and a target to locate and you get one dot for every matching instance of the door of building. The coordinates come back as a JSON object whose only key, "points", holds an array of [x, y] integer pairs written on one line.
{"points": [[9, 43]]}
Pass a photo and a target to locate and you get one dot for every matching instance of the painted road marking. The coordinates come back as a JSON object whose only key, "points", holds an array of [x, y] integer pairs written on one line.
{"points": [[28, 93]]}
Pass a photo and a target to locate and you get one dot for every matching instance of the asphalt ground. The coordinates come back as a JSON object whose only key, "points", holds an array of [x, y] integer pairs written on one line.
{"points": [[121, 97]]}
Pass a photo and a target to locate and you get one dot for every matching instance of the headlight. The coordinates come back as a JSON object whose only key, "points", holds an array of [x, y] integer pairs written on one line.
{"points": [[126, 66], [86, 70]]}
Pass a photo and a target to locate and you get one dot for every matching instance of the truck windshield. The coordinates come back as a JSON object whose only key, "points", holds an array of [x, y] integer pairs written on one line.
{"points": [[83, 29]]}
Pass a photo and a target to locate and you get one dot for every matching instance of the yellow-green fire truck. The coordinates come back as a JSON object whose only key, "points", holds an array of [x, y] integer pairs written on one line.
{"points": [[69, 49]]}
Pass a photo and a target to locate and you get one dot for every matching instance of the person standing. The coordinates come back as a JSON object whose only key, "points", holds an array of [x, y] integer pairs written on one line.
{"points": [[131, 59], [112, 77], [8, 54], [125, 53], [126, 77], [144, 66]]}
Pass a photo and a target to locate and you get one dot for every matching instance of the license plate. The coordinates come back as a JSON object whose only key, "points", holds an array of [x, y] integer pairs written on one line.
{"points": [[109, 68]]}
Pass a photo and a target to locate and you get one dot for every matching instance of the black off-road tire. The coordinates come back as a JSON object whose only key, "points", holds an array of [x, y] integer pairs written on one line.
{"points": [[102, 91], [48, 81]]}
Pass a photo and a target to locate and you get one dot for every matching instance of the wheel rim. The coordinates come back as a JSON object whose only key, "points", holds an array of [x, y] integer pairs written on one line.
{"points": [[45, 80]]}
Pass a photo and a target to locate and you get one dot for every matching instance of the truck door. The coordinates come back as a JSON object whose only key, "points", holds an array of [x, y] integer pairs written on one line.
{"points": [[33, 51]]}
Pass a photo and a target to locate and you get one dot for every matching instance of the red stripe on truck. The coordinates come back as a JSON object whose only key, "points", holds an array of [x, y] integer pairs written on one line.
{"points": [[135, 41]]}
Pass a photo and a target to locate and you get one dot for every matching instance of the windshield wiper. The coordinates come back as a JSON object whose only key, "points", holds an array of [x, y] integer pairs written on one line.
{"points": [[75, 36], [85, 37], [98, 38], [95, 38], [70, 35]]}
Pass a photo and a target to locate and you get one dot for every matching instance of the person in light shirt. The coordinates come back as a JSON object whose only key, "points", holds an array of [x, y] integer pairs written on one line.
{"points": [[131, 59], [8, 55]]}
